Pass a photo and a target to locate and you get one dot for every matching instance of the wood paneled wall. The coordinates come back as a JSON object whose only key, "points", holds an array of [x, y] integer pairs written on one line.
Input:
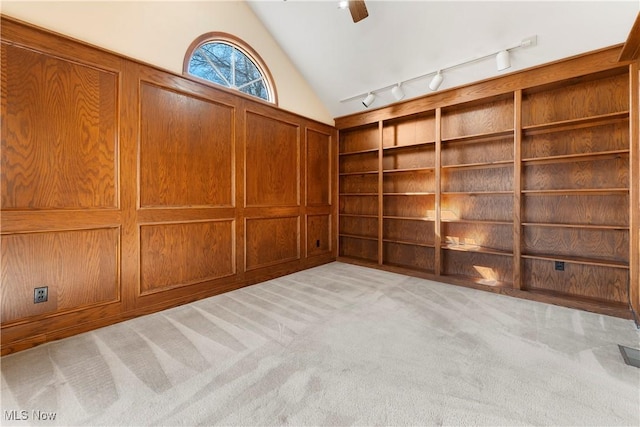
{"points": [[127, 189]]}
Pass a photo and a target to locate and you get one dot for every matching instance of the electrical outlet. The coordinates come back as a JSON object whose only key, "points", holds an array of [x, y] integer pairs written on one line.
{"points": [[317, 243], [40, 294], [559, 265]]}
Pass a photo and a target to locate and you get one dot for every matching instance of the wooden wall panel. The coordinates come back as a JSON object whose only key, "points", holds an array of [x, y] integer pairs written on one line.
{"points": [[597, 282], [318, 234], [271, 241], [611, 245], [80, 268], [584, 97], [186, 150], [175, 255], [148, 167], [59, 133], [272, 165], [470, 120], [319, 167]]}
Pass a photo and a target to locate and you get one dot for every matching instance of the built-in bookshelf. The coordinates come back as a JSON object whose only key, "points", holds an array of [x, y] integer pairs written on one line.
{"points": [[524, 192]]}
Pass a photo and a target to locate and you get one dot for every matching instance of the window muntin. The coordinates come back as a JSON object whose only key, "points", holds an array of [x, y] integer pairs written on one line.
{"points": [[224, 60]]}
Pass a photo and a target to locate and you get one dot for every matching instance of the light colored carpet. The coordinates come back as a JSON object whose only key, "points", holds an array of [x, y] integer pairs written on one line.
{"points": [[336, 345]]}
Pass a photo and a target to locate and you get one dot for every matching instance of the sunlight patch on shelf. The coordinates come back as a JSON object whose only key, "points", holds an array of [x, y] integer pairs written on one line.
{"points": [[489, 275]]}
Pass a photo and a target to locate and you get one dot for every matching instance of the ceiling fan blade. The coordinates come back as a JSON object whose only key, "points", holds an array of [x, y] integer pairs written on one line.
{"points": [[358, 10]]}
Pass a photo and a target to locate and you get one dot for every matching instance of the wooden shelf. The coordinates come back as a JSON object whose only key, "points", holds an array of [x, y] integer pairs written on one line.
{"points": [[356, 236], [582, 157], [409, 218], [572, 124], [477, 221], [351, 153], [415, 146], [578, 260], [478, 281], [410, 170], [481, 137], [358, 194], [584, 226], [418, 193], [407, 242], [358, 173], [484, 165], [475, 248], [475, 193], [358, 215], [576, 191]]}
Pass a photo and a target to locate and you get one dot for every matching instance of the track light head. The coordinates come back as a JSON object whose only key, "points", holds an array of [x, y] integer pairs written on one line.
{"points": [[397, 92], [368, 100], [436, 81], [502, 60]]}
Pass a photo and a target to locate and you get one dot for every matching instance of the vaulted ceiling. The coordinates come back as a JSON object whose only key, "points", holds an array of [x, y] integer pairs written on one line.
{"points": [[401, 40]]}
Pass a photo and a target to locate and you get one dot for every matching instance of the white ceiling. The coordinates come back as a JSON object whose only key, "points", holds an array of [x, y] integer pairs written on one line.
{"points": [[401, 40]]}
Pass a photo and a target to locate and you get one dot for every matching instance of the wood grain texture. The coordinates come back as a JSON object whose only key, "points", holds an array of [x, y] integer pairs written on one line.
{"points": [[319, 167], [631, 48], [367, 227], [174, 255], [465, 180], [358, 248], [271, 241], [272, 161], [488, 269], [583, 209], [318, 235], [577, 280], [186, 150], [611, 245], [494, 207], [595, 173], [59, 133], [366, 183], [411, 231], [477, 152], [410, 206], [409, 158], [576, 98], [409, 130], [409, 182], [409, 256], [365, 138], [365, 162], [487, 236], [359, 205], [608, 137], [80, 268], [476, 118]]}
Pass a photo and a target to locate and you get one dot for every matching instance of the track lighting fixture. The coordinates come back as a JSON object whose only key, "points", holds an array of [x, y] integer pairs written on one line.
{"points": [[368, 100], [436, 81], [502, 60], [397, 92]]}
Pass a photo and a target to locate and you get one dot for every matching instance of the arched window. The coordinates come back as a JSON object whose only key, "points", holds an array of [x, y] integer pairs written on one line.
{"points": [[226, 60]]}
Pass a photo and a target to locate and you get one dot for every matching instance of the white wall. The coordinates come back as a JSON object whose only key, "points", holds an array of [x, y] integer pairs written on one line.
{"points": [[159, 32]]}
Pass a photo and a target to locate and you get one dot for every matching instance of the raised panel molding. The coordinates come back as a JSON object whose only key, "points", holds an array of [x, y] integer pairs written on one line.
{"points": [[271, 241], [79, 267], [318, 168], [59, 133], [272, 161], [318, 234], [182, 254], [187, 149]]}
